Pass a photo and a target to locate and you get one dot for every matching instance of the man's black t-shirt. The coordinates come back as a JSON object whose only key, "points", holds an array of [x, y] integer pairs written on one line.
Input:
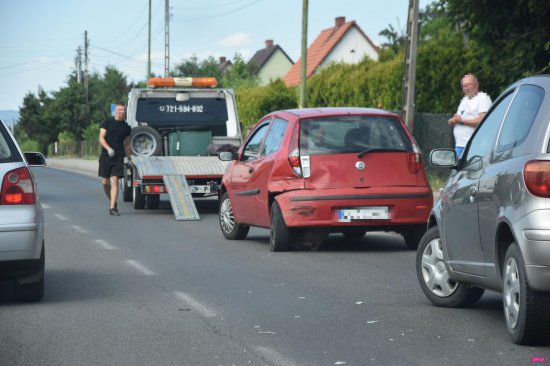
{"points": [[117, 131]]}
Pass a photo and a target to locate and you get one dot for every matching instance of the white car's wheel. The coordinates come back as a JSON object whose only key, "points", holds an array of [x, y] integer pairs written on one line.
{"points": [[33, 291], [434, 278]]}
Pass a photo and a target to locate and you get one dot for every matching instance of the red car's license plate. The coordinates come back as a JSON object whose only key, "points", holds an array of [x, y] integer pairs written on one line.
{"points": [[363, 213]]}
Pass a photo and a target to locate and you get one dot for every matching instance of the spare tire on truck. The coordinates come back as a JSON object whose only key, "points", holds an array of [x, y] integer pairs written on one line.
{"points": [[145, 141]]}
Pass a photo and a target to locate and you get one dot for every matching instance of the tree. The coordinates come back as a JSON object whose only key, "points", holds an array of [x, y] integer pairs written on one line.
{"points": [[34, 123], [395, 42], [240, 75], [513, 34], [110, 88], [443, 58], [68, 108], [192, 67]]}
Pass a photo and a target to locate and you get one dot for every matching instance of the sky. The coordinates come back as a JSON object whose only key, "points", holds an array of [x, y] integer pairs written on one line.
{"points": [[39, 38]]}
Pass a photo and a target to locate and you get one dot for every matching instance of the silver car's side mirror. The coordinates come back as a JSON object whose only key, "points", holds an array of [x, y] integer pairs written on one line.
{"points": [[227, 156], [443, 158]]}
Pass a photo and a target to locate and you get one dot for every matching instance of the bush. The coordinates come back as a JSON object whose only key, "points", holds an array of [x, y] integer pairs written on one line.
{"points": [[256, 101], [30, 145]]}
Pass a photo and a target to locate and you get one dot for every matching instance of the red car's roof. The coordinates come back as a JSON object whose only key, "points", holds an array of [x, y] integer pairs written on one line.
{"points": [[335, 111]]}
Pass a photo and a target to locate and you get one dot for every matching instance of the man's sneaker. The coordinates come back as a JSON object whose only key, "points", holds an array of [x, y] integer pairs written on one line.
{"points": [[114, 212]]}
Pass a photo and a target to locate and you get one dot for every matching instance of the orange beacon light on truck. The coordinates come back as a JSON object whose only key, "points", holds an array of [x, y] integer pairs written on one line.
{"points": [[205, 82]]}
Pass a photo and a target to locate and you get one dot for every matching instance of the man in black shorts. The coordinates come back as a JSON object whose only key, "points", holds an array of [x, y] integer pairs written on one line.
{"points": [[112, 134]]}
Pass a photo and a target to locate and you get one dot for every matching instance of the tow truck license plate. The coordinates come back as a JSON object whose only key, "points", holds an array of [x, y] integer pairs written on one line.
{"points": [[199, 189], [363, 213]]}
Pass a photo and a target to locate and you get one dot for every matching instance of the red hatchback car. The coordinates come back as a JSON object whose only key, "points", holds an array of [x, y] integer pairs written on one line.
{"points": [[305, 173]]}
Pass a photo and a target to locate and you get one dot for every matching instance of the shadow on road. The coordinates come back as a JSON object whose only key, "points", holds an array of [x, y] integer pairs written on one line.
{"points": [[373, 242]]}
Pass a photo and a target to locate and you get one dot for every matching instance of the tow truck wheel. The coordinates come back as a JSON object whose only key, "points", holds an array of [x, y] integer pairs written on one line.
{"points": [[127, 194], [145, 141], [139, 198]]}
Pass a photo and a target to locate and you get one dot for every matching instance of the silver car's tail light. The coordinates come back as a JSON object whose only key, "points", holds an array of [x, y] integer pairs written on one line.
{"points": [[17, 188], [537, 177]]}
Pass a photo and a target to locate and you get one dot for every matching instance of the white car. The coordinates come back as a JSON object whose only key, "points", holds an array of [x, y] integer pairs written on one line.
{"points": [[21, 220]]}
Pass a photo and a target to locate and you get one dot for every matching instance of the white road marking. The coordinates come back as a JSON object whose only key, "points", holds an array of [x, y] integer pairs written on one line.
{"points": [[195, 305], [45, 206], [61, 217], [80, 230], [139, 267], [274, 357], [104, 244]]}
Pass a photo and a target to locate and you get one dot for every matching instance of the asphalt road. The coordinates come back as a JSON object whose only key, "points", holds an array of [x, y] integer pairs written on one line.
{"points": [[144, 289]]}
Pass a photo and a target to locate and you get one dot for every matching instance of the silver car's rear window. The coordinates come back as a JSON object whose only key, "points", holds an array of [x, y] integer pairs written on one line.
{"points": [[352, 134], [8, 151]]}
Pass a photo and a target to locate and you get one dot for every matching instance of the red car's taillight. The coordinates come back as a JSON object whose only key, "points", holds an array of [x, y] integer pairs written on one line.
{"points": [[294, 161], [17, 188], [414, 159], [537, 177], [294, 152]]}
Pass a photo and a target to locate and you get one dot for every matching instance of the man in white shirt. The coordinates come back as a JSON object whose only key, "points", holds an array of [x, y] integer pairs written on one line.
{"points": [[471, 111]]}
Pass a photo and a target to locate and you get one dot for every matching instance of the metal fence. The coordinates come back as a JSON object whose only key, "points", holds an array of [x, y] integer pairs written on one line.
{"points": [[74, 148]]}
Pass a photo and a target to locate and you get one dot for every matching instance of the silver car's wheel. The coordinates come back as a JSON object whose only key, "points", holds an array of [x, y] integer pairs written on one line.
{"points": [[511, 293], [434, 276], [230, 228], [434, 270], [525, 310]]}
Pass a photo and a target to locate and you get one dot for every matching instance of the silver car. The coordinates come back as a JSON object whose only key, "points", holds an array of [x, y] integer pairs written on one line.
{"points": [[490, 229], [21, 220]]}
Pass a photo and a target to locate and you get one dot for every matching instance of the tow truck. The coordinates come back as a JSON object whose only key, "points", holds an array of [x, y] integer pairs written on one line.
{"points": [[179, 125]]}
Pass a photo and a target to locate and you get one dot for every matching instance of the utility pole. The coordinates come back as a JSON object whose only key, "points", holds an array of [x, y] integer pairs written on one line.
{"points": [[149, 45], [79, 64], [409, 66], [303, 72], [166, 38], [86, 66]]}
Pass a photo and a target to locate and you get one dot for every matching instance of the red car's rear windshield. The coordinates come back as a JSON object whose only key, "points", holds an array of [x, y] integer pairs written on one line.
{"points": [[352, 134]]}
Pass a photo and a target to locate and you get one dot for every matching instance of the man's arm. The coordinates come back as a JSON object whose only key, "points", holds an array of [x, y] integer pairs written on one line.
{"points": [[473, 122], [103, 142]]}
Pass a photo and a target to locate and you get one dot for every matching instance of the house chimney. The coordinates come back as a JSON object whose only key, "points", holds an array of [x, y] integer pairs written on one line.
{"points": [[222, 59], [339, 21], [268, 43]]}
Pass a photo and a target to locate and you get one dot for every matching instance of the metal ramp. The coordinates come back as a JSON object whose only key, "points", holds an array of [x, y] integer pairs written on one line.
{"points": [[174, 170], [180, 197]]}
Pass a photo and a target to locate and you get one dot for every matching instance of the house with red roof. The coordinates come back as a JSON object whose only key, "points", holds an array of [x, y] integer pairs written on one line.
{"points": [[345, 42], [270, 63], [224, 65]]}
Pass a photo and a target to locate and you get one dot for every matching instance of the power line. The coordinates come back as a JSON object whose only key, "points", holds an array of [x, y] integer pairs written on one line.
{"points": [[128, 58], [220, 14], [218, 5], [33, 61], [53, 62]]}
